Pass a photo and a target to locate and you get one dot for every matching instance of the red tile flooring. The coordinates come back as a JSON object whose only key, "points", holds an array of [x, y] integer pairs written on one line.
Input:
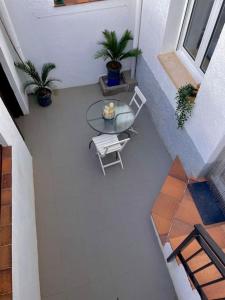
{"points": [[174, 214]]}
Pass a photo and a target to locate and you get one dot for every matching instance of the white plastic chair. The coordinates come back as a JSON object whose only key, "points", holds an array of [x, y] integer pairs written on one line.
{"points": [[138, 101], [107, 143]]}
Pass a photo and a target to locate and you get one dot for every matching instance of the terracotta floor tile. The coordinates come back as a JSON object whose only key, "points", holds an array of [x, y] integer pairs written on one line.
{"points": [[6, 297], [217, 235], [215, 291], [207, 275], [176, 241], [165, 206], [5, 281], [177, 170], [174, 187], [188, 212], [6, 197], [199, 261], [6, 181], [6, 215], [162, 224], [187, 198], [191, 249], [180, 228], [5, 257], [6, 165], [6, 152], [5, 235]]}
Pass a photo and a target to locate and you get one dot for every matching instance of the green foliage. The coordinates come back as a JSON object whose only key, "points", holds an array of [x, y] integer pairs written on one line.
{"points": [[185, 104], [38, 81], [115, 49], [59, 2]]}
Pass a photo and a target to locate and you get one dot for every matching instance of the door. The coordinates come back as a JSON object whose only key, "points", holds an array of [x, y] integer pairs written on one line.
{"points": [[8, 97]]}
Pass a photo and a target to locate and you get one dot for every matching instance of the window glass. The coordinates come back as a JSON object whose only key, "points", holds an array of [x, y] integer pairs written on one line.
{"points": [[197, 25], [214, 39]]}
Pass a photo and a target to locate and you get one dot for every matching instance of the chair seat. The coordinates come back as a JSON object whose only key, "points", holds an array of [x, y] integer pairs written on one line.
{"points": [[104, 140]]}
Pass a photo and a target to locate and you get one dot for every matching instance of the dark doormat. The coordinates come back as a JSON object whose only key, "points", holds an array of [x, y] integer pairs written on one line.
{"points": [[207, 202]]}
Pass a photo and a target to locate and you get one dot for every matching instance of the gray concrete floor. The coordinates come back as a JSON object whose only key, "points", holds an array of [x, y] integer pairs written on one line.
{"points": [[95, 238]]}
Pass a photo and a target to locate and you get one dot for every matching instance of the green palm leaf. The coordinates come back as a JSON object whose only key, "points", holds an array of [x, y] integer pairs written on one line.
{"points": [[114, 49], [132, 53], [50, 81], [38, 81], [28, 84], [126, 37], [103, 53], [46, 69]]}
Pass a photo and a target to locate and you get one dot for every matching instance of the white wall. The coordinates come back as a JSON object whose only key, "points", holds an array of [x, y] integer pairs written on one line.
{"points": [[68, 35], [24, 238], [7, 58], [206, 128]]}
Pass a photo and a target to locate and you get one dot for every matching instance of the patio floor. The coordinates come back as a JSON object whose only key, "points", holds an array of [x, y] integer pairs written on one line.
{"points": [[95, 238]]}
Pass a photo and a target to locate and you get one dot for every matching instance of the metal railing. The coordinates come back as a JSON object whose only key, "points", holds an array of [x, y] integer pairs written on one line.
{"points": [[211, 249]]}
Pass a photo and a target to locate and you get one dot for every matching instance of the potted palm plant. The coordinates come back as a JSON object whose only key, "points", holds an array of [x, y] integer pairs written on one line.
{"points": [[41, 83], [114, 49]]}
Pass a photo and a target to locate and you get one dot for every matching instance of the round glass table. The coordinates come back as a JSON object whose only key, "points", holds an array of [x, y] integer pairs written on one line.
{"points": [[122, 121]]}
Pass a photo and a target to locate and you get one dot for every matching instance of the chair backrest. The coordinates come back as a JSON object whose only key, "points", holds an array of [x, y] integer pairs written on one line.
{"points": [[138, 102], [112, 147]]}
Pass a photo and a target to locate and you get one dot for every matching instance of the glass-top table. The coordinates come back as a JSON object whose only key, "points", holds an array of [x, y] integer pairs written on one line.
{"points": [[122, 121]]}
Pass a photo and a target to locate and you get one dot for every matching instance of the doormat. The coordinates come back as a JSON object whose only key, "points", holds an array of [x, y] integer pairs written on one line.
{"points": [[207, 203]]}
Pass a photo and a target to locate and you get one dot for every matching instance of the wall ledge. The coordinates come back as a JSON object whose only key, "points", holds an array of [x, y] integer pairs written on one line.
{"points": [[176, 70]]}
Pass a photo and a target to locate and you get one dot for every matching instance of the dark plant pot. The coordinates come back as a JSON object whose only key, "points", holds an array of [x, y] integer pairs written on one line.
{"points": [[44, 97], [114, 76]]}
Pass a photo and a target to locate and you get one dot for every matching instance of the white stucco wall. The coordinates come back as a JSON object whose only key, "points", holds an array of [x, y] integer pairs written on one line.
{"points": [[68, 35], [206, 128], [24, 238], [7, 58]]}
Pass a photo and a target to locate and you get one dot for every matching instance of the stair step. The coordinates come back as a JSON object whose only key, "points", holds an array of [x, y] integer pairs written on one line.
{"points": [[215, 291], [6, 198], [5, 235], [6, 282], [6, 215], [5, 257], [6, 297], [7, 160]]}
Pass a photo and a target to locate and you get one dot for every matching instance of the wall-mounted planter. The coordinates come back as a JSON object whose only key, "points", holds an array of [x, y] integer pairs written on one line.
{"points": [[185, 103], [59, 2]]}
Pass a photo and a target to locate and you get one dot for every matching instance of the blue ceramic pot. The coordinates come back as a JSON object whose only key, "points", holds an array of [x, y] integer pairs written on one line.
{"points": [[44, 97], [114, 75]]}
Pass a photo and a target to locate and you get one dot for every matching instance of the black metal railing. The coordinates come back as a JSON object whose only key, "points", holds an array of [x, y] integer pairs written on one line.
{"points": [[211, 249]]}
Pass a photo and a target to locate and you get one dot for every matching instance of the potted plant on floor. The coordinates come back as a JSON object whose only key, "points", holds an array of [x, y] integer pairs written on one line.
{"points": [[41, 83], [114, 49], [185, 102]]}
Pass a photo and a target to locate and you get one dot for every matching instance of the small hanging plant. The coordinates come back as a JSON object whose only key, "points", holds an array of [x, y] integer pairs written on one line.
{"points": [[185, 102]]}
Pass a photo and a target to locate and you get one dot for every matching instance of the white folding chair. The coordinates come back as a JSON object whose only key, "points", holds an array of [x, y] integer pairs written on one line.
{"points": [[138, 101], [107, 143]]}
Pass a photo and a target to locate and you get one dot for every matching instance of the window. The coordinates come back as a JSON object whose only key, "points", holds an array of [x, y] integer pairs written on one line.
{"points": [[203, 23]]}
